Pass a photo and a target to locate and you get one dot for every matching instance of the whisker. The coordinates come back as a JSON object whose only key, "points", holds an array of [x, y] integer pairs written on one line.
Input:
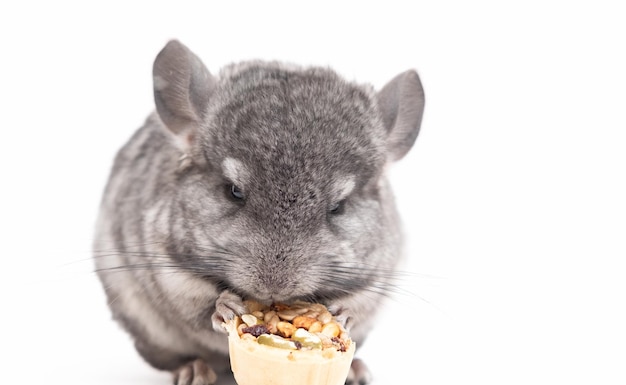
{"points": [[370, 280]]}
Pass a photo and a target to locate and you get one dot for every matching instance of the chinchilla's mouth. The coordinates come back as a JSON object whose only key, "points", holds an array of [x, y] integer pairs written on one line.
{"points": [[270, 299]]}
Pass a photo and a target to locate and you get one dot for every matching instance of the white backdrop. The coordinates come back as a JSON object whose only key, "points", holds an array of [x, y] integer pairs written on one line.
{"points": [[513, 196]]}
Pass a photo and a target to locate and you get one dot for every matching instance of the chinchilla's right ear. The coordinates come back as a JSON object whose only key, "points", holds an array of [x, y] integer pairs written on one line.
{"points": [[182, 87]]}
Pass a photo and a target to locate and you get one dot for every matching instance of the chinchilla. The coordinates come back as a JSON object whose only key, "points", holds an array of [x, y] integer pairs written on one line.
{"points": [[265, 182]]}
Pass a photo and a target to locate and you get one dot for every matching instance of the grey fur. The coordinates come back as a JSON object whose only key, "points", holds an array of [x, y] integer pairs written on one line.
{"points": [[176, 254]]}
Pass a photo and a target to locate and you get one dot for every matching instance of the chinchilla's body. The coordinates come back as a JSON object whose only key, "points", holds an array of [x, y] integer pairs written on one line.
{"points": [[266, 182]]}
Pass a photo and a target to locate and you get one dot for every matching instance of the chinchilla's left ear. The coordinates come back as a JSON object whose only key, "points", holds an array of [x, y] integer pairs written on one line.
{"points": [[401, 102]]}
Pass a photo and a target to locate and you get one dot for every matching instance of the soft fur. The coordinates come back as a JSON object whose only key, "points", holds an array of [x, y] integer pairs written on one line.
{"points": [[177, 253]]}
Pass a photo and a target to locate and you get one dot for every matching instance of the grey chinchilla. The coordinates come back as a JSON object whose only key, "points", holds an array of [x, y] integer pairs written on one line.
{"points": [[266, 182]]}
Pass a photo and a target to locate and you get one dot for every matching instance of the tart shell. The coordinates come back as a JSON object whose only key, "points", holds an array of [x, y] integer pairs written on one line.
{"points": [[256, 364]]}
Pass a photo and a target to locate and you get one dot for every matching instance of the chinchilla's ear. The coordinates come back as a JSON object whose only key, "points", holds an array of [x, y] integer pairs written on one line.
{"points": [[401, 102], [182, 87]]}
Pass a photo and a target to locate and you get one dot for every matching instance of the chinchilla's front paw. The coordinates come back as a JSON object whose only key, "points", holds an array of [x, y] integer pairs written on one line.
{"points": [[342, 314], [227, 306]]}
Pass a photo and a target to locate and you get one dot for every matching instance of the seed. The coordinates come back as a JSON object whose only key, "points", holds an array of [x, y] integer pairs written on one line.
{"points": [[301, 325], [290, 314], [312, 314], [250, 320], [317, 307], [308, 340], [276, 341]]}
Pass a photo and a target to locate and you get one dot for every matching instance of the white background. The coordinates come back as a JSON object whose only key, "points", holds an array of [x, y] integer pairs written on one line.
{"points": [[513, 196]]}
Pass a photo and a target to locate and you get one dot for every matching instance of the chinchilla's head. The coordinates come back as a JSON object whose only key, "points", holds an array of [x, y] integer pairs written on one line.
{"points": [[282, 194]]}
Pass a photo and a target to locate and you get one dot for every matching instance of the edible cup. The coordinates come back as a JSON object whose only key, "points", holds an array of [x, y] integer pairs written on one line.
{"points": [[256, 364]]}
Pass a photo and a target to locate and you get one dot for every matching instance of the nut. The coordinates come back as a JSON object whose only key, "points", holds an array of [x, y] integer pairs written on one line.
{"points": [[240, 329], [325, 317], [312, 314], [258, 314], [331, 329], [299, 326], [286, 328], [290, 314], [303, 321], [273, 323], [315, 327], [268, 316]]}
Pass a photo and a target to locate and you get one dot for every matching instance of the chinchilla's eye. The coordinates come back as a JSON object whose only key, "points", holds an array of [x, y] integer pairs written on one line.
{"points": [[236, 193], [337, 208]]}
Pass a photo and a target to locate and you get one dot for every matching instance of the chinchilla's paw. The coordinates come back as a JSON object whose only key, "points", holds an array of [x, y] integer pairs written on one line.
{"points": [[195, 373], [343, 315], [359, 374], [227, 306]]}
